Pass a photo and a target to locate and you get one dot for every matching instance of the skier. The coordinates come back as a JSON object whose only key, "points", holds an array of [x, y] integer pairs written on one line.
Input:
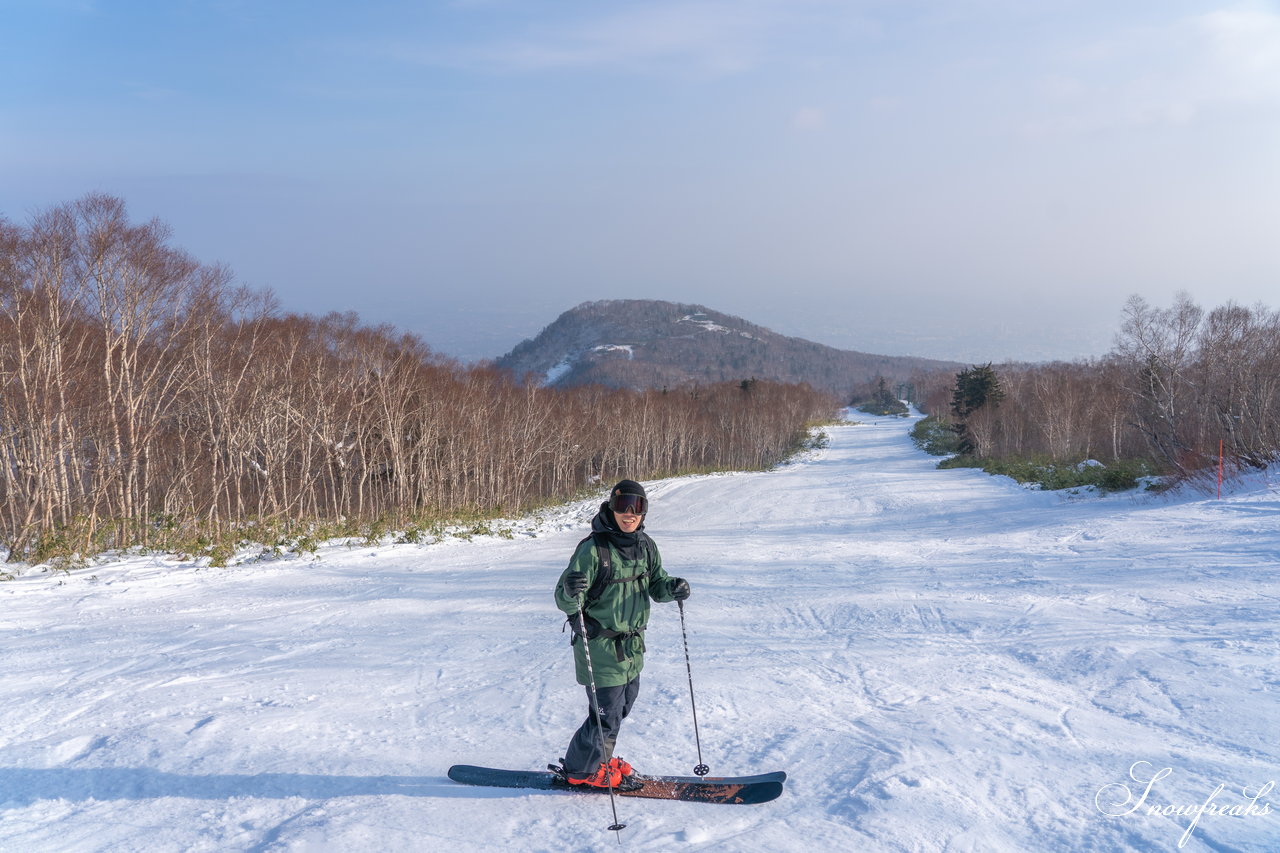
{"points": [[611, 578]]}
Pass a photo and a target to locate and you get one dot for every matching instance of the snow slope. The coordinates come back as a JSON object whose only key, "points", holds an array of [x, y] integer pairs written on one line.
{"points": [[941, 660]]}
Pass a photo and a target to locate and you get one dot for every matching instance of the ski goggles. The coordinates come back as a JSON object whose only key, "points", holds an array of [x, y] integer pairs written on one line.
{"points": [[629, 504]]}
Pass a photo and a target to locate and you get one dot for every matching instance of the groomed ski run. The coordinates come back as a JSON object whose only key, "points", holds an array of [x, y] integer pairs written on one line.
{"points": [[940, 660]]}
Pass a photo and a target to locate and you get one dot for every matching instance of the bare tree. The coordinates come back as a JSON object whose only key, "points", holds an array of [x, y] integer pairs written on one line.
{"points": [[1159, 346]]}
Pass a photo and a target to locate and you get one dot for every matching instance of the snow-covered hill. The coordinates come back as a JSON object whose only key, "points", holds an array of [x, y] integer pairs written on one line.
{"points": [[939, 659], [648, 343]]}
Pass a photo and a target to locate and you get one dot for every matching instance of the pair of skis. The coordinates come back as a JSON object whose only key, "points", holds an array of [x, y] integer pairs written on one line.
{"points": [[736, 790], [699, 788]]}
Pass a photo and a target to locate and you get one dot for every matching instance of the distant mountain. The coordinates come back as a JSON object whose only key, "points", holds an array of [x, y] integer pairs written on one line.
{"points": [[636, 343]]}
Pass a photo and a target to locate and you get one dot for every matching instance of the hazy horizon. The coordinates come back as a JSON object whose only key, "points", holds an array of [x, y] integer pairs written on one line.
{"points": [[975, 180]]}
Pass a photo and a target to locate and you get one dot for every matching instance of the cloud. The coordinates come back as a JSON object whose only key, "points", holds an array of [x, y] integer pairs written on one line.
{"points": [[1172, 74], [809, 120], [709, 36], [713, 36], [1242, 52]]}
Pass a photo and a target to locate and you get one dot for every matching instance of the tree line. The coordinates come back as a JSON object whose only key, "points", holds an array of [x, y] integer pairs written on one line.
{"points": [[146, 399], [1180, 384]]}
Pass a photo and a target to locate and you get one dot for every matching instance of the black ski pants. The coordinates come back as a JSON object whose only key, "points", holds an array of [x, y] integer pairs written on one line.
{"points": [[583, 755]]}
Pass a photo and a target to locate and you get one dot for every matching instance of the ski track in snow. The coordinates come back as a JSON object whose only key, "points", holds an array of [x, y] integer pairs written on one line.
{"points": [[941, 660]]}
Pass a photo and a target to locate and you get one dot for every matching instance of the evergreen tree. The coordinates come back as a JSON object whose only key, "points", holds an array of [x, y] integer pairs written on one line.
{"points": [[975, 388], [883, 397], [882, 401]]}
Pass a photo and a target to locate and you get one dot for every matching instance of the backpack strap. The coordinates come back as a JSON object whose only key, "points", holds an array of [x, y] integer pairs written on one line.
{"points": [[620, 641], [604, 577], [604, 556]]}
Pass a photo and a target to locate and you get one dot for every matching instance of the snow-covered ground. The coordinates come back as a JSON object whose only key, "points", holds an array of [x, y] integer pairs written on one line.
{"points": [[941, 660]]}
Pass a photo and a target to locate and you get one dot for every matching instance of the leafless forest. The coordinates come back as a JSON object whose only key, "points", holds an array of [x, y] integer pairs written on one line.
{"points": [[1180, 383], [147, 401]]}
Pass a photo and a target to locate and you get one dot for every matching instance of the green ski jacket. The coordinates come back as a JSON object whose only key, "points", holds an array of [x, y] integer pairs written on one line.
{"points": [[617, 618]]}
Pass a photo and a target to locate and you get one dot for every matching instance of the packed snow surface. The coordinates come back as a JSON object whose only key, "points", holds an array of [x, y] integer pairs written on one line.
{"points": [[710, 325], [627, 348], [556, 372], [940, 660]]}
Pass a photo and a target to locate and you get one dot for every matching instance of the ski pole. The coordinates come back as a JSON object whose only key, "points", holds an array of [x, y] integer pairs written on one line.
{"points": [[595, 709], [701, 769]]}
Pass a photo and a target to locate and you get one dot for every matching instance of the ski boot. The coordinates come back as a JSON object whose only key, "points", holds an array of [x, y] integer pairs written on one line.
{"points": [[625, 769], [604, 777]]}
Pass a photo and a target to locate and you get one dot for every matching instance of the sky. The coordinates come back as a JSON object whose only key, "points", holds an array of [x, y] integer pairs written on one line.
{"points": [[964, 179]]}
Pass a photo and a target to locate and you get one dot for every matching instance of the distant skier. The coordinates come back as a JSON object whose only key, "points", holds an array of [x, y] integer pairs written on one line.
{"points": [[612, 576]]}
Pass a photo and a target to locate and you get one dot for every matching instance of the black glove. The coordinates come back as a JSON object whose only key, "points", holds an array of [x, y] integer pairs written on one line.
{"points": [[679, 589], [574, 584]]}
